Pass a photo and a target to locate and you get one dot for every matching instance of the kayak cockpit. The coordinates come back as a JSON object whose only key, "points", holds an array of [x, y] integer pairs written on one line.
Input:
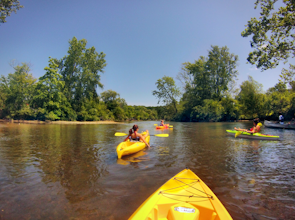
{"points": [[182, 210]]}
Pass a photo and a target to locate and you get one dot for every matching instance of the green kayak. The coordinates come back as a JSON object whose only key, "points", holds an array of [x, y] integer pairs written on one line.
{"points": [[257, 136]]}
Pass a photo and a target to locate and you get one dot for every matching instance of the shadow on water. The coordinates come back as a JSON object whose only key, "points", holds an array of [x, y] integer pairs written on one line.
{"points": [[72, 171]]}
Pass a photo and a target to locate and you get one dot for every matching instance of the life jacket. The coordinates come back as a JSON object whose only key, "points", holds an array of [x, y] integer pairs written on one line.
{"points": [[259, 124]]}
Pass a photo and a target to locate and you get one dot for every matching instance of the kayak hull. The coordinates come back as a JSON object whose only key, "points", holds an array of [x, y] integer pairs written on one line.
{"points": [[257, 136], [185, 196], [270, 124], [131, 147], [163, 127]]}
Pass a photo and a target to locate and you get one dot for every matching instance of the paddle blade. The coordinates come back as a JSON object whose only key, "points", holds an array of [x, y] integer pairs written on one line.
{"points": [[155, 125], [170, 126], [238, 133], [120, 134], [161, 135]]}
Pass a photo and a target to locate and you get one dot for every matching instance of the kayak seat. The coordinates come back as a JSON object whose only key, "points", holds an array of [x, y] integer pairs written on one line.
{"points": [[180, 211], [183, 211]]}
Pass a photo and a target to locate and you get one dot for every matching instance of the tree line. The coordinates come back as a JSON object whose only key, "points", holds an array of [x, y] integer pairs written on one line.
{"points": [[210, 92], [67, 91]]}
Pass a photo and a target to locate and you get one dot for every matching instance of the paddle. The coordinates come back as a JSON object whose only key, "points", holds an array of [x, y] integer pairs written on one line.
{"points": [[157, 135], [238, 133]]}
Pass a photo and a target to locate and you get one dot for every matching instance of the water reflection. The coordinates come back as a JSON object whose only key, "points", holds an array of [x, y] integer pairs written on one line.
{"points": [[72, 171], [133, 158]]}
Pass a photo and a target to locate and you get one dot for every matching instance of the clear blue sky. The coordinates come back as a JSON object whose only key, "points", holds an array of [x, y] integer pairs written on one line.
{"points": [[142, 40]]}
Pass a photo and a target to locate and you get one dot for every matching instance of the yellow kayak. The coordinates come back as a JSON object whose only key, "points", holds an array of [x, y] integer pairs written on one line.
{"points": [[184, 197], [131, 147]]}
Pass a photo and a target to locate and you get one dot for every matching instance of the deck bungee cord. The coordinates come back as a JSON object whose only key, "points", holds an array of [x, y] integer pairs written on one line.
{"points": [[185, 186]]}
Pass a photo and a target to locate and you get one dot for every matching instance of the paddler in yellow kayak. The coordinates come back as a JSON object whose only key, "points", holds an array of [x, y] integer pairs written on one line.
{"points": [[134, 136], [255, 129], [162, 123]]}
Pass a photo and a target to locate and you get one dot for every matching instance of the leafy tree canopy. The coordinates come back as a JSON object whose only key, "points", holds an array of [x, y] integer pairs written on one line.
{"points": [[80, 71], [288, 77], [167, 91], [112, 100], [211, 75], [18, 87], [8, 6], [273, 34], [251, 98]]}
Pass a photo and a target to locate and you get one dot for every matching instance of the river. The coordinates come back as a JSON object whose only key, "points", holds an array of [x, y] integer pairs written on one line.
{"points": [[72, 172]]}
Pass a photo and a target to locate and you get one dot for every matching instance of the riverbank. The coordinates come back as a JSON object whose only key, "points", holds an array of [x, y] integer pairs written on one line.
{"points": [[58, 122]]}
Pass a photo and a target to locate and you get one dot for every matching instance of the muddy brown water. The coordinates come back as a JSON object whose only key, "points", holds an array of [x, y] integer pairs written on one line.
{"points": [[72, 172]]}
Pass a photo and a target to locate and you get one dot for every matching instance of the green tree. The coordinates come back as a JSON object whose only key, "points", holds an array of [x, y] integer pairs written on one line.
{"points": [[49, 100], [18, 88], [199, 89], [273, 34], [211, 110], [93, 110], [130, 112], [231, 108], [279, 100], [2, 97], [111, 99], [167, 91], [114, 104], [251, 98], [211, 78], [8, 6], [221, 67], [80, 71], [288, 77], [211, 75]]}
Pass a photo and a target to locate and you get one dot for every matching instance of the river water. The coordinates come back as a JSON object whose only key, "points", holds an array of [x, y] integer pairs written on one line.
{"points": [[72, 171]]}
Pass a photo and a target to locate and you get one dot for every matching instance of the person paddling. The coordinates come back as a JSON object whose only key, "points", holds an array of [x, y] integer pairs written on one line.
{"points": [[135, 136], [162, 123], [255, 129]]}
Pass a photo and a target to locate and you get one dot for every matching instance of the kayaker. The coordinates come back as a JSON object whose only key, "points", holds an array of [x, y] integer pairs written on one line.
{"points": [[162, 123], [281, 118], [133, 135], [255, 129]]}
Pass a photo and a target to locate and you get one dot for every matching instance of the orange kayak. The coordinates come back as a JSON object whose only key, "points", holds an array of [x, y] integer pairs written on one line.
{"points": [[163, 127]]}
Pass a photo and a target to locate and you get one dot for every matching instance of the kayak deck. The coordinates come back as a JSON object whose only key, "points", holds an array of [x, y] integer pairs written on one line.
{"points": [[131, 147], [257, 136], [185, 196]]}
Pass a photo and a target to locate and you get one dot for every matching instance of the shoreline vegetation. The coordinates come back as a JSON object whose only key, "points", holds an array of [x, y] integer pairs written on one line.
{"points": [[68, 95], [58, 122], [75, 122]]}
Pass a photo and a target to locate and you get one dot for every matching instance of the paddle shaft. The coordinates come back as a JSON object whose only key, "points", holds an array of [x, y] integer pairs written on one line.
{"points": [[157, 135]]}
